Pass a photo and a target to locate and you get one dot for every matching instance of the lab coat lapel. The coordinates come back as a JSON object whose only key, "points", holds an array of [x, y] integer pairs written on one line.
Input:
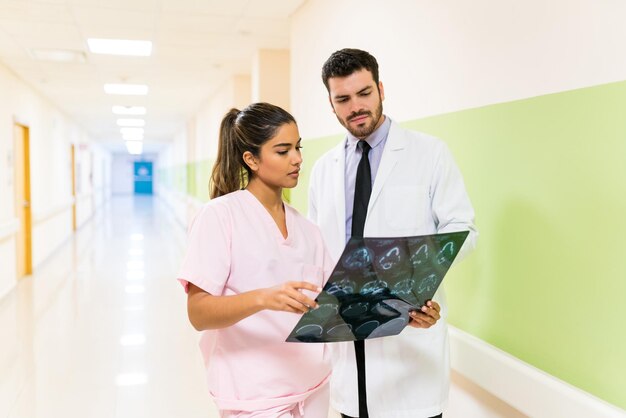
{"points": [[391, 155], [338, 185]]}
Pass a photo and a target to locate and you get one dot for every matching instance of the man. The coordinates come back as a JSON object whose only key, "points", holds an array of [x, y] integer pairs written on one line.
{"points": [[406, 184]]}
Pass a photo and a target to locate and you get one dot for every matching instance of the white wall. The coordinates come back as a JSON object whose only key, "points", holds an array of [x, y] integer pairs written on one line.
{"points": [[51, 135], [198, 141], [441, 56]]}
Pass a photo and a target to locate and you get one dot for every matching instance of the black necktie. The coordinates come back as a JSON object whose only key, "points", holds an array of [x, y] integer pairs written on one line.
{"points": [[362, 192]]}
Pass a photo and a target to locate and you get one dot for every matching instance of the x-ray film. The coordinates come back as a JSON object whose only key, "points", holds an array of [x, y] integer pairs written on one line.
{"points": [[375, 284]]}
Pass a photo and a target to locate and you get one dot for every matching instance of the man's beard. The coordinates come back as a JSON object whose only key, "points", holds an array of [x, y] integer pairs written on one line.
{"points": [[363, 131]]}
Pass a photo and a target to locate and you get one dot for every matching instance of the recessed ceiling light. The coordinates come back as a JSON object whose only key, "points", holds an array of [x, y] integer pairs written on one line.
{"points": [[133, 339], [120, 47], [131, 131], [128, 89], [129, 110], [132, 137], [59, 55], [131, 379], [134, 147], [137, 123]]}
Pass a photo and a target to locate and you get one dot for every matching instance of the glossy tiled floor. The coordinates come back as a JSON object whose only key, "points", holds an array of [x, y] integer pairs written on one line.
{"points": [[101, 329]]}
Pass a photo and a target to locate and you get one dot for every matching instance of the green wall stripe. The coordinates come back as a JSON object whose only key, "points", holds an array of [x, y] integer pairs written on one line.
{"points": [[547, 177]]}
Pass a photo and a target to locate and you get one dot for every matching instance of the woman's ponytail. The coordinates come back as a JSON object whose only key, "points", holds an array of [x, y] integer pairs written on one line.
{"points": [[228, 171], [240, 132]]}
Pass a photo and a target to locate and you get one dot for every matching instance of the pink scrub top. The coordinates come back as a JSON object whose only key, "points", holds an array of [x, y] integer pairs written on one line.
{"points": [[235, 246]]}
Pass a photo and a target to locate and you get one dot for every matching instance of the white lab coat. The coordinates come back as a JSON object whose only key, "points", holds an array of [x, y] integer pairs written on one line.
{"points": [[418, 190]]}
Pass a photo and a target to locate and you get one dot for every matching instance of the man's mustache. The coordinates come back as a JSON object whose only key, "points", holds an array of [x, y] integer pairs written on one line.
{"points": [[357, 114]]}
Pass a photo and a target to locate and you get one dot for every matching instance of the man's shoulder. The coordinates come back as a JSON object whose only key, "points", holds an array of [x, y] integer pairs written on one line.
{"points": [[414, 141], [415, 136], [329, 155]]}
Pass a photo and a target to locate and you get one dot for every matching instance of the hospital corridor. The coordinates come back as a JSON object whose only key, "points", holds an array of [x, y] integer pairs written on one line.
{"points": [[101, 330], [271, 150]]}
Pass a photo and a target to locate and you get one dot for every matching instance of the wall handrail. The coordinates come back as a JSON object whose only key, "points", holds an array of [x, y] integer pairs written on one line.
{"points": [[42, 217], [9, 229]]}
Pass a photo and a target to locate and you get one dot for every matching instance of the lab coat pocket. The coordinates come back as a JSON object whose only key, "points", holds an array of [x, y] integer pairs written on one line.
{"points": [[406, 206]]}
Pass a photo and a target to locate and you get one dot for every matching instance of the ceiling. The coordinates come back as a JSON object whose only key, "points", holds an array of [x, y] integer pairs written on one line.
{"points": [[197, 46]]}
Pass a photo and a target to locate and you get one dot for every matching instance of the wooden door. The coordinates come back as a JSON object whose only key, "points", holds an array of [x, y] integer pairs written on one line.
{"points": [[22, 201]]}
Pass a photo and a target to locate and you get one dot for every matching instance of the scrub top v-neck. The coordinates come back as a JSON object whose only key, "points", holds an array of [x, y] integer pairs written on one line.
{"points": [[235, 246], [270, 220]]}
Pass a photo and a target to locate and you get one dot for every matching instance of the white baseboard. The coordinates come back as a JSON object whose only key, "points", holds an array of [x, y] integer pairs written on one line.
{"points": [[524, 387]]}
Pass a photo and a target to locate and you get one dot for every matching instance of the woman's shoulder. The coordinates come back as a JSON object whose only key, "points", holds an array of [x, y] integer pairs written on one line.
{"points": [[221, 206]]}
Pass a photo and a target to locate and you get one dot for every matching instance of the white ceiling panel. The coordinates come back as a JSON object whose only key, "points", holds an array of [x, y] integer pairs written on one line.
{"points": [[198, 45], [114, 18], [210, 7], [197, 23], [139, 5], [35, 11], [263, 26], [272, 8], [116, 32]]}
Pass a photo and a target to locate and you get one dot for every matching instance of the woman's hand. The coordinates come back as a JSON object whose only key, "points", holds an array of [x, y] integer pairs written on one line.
{"points": [[288, 297], [427, 317]]}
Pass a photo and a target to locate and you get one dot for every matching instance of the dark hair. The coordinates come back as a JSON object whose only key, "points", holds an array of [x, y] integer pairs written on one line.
{"points": [[241, 131], [346, 61]]}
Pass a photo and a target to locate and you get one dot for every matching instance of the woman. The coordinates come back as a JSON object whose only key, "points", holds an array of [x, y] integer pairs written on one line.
{"points": [[251, 264]]}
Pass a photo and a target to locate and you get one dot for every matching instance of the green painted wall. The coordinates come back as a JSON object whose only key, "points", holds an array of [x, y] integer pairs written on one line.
{"points": [[547, 283], [547, 177]]}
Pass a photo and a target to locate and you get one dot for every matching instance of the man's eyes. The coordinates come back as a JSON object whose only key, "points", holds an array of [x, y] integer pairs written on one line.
{"points": [[345, 99]]}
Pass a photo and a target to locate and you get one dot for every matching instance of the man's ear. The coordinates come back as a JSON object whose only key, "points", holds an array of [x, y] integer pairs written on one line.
{"points": [[331, 104], [250, 160], [381, 90]]}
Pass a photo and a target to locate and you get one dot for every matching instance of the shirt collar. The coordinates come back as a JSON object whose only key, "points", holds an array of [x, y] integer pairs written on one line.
{"points": [[375, 138]]}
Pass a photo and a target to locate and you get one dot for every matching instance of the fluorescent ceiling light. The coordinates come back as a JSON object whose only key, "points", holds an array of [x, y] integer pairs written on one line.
{"points": [[127, 89], [134, 289], [131, 122], [135, 264], [129, 110], [134, 147], [135, 275], [131, 131], [131, 379], [120, 47], [132, 137], [59, 55], [132, 339]]}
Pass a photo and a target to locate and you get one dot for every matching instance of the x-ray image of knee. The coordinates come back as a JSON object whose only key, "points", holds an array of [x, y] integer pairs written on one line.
{"points": [[389, 259], [427, 284], [359, 258], [420, 256], [446, 254], [374, 286]]}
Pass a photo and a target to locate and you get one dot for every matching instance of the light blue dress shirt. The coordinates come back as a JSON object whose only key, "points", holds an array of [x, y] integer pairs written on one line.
{"points": [[377, 141]]}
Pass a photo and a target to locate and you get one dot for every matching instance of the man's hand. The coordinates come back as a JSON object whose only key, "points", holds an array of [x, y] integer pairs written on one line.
{"points": [[427, 317]]}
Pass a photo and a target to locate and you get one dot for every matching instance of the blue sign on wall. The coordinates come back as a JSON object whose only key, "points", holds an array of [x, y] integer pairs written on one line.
{"points": [[143, 177]]}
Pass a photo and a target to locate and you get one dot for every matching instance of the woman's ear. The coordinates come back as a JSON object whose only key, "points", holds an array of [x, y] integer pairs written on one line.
{"points": [[250, 160]]}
